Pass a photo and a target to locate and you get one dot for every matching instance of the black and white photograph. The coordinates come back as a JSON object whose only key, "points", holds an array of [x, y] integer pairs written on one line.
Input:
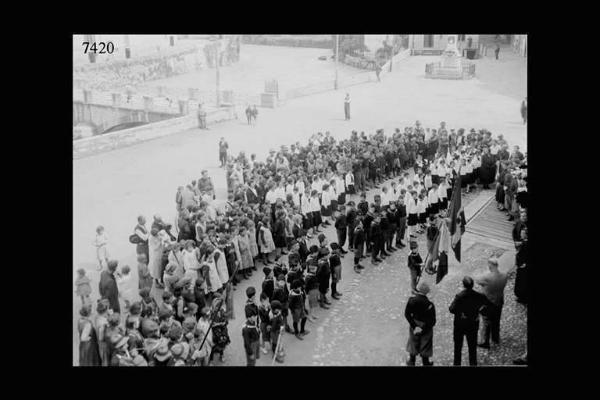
{"points": [[300, 200]]}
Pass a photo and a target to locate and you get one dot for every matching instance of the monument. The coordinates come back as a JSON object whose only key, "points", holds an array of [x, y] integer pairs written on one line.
{"points": [[451, 65]]}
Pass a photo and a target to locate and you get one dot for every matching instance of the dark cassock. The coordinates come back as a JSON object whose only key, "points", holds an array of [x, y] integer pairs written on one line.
{"points": [[487, 172]]}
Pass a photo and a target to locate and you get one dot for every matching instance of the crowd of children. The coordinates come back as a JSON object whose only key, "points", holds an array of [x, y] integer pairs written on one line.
{"points": [[274, 210]]}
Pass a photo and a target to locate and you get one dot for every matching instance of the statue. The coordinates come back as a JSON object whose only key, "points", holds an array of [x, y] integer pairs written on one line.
{"points": [[450, 56]]}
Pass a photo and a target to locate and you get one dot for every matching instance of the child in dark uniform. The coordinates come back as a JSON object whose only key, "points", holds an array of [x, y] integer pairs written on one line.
{"points": [[297, 300], [263, 313], [414, 265], [276, 324], [251, 335], [268, 285], [336, 269], [281, 294], [359, 242]]}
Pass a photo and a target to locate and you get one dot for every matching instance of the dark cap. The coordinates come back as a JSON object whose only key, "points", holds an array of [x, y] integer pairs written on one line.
{"points": [[275, 305], [413, 245], [251, 291], [267, 271], [321, 237]]}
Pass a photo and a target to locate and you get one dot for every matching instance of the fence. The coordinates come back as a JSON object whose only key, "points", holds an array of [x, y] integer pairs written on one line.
{"points": [[436, 70]]}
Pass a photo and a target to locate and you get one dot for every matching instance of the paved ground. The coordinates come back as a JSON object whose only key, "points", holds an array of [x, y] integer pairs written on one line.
{"points": [[112, 188]]}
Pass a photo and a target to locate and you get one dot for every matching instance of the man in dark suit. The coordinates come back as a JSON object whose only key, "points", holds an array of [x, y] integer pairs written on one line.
{"points": [[108, 286], [466, 307]]}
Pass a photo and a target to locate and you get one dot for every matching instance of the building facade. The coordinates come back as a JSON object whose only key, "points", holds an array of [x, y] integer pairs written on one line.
{"points": [[519, 44], [436, 44]]}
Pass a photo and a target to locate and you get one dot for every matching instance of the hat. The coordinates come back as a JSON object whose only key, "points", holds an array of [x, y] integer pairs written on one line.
{"points": [[275, 305], [423, 287], [162, 353], [321, 237], [119, 341], [251, 291], [164, 313], [177, 349], [334, 246], [413, 245], [175, 332], [267, 271]]}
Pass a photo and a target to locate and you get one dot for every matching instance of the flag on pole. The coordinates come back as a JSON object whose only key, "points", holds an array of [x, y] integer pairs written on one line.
{"points": [[457, 219], [439, 252]]}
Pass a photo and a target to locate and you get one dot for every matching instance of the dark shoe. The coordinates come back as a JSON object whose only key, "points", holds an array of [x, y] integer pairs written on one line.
{"points": [[323, 306], [393, 248], [288, 329], [357, 270], [338, 295], [299, 336], [360, 266], [344, 251], [484, 345], [305, 332], [401, 245]]}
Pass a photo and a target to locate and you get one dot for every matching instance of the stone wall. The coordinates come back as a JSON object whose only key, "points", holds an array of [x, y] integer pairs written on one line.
{"points": [[127, 137]]}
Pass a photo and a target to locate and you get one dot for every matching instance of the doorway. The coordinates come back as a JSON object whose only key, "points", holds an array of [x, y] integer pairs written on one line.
{"points": [[428, 41]]}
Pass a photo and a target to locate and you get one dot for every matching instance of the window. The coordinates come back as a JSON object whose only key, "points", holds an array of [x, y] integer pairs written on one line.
{"points": [[428, 41]]}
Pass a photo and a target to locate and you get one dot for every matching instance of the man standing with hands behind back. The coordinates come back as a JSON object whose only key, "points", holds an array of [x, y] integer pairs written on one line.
{"points": [[492, 284], [465, 307]]}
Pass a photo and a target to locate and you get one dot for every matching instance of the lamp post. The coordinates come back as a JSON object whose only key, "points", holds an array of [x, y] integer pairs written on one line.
{"points": [[337, 51], [217, 45]]}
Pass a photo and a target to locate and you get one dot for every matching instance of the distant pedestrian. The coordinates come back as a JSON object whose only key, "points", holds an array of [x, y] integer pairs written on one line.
{"points": [[223, 146], [249, 114], [497, 51], [254, 113], [420, 314], [347, 107], [101, 243], [201, 117], [524, 110], [492, 284], [466, 307], [378, 71]]}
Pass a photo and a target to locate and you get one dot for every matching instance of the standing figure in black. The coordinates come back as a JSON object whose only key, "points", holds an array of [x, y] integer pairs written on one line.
{"points": [[249, 114], [497, 51], [466, 307], [420, 314], [414, 265], [223, 146]]}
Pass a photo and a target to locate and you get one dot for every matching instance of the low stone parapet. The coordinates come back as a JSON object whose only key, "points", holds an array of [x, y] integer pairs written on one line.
{"points": [[127, 137]]}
